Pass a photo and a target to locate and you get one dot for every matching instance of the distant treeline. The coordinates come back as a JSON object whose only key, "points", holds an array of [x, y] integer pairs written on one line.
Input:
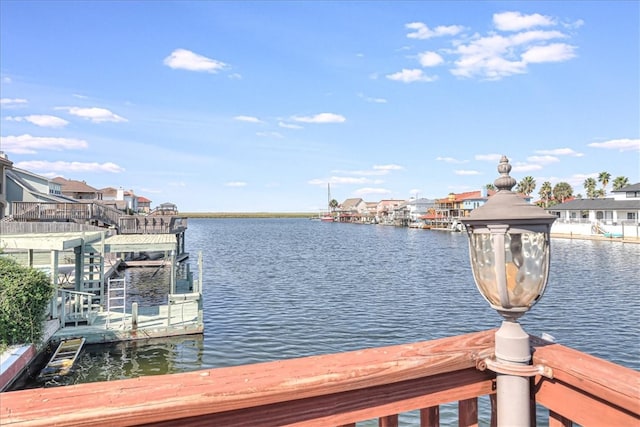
{"points": [[248, 214]]}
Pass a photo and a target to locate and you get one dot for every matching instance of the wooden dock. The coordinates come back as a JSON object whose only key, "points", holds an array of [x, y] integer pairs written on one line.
{"points": [[178, 318]]}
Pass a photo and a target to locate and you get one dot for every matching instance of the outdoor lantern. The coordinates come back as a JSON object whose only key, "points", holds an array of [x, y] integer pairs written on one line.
{"points": [[509, 251], [509, 248]]}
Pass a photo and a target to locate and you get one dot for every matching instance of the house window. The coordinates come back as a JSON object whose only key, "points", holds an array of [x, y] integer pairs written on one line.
{"points": [[631, 215]]}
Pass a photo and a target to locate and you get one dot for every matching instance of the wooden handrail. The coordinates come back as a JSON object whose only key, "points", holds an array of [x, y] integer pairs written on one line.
{"points": [[333, 389], [585, 389], [126, 224], [339, 390]]}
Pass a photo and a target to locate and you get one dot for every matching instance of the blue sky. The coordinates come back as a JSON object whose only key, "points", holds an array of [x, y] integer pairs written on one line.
{"points": [[256, 106]]}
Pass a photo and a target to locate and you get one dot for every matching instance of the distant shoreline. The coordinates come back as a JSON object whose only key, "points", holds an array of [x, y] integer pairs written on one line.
{"points": [[248, 214]]}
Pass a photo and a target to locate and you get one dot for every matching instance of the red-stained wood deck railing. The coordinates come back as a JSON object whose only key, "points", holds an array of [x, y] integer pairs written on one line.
{"points": [[336, 390]]}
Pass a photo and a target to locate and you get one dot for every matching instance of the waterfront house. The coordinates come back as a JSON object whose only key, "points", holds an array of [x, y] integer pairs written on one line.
{"points": [[144, 204], [411, 210], [616, 216], [78, 190], [624, 206], [25, 186], [5, 164], [385, 210], [353, 210]]}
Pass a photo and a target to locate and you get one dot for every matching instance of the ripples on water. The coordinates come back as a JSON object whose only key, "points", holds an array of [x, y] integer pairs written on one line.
{"points": [[282, 288]]}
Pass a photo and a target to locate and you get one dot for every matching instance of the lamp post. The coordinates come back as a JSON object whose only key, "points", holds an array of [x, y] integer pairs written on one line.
{"points": [[509, 251]]}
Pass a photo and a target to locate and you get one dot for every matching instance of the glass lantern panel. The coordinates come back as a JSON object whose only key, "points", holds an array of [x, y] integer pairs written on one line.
{"points": [[526, 267], [483, 262]]}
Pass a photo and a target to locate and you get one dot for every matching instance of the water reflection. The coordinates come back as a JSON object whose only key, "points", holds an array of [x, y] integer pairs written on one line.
{"points": [[131, 359]]}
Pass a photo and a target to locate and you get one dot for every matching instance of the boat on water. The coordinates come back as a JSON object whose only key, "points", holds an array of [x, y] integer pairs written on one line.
{"points": [[328, 216]]}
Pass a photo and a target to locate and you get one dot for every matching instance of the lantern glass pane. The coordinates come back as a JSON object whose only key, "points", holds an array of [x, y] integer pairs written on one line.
{"points": [[526, 266], [483, 263]]}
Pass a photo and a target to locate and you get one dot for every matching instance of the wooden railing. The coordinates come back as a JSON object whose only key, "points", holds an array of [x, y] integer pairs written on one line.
{"points": [[339, 390], [126, 224], [76, 307], [36, 211], [152, 224]]}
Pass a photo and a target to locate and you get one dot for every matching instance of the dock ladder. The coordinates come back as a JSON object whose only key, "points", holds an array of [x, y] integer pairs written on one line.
{"points": [[63, 358], [116, 299]]}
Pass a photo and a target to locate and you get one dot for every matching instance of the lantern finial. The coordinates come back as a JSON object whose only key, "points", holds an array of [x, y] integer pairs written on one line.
{"points": [[505, 181]]}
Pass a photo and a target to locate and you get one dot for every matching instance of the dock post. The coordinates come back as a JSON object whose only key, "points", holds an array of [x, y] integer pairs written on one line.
{"points": [[134, 316]]}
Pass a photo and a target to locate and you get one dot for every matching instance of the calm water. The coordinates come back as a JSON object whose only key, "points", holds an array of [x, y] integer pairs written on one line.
{"points": [[282, 288]]}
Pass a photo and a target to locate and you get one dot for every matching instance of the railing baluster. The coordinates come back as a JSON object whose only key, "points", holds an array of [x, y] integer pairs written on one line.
{"points": [[557, 420], [430, 417], [468, 413], [388, 421]]}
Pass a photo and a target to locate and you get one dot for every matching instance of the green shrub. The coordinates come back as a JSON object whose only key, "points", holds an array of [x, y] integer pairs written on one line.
{"points": [[24, 296]]}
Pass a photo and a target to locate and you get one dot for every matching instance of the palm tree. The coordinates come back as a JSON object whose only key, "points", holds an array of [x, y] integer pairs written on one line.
{"points": [[545, 193], [590, 186], [619, 182], [562, 191], [526, 186], [490, 187], [604, 178], [333, 204]]}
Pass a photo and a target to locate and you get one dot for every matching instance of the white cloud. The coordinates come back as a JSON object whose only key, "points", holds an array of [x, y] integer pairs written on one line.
{"points": [[430, 59], [373, 100], [249, 119], [349, 180], [270, 134], [289, 125], [187, 60], [560, 152], [466, 172], [515, 21], [624, 144], [422, 32], [411, 76], [27, 144], [344, 180], [235, 184], [525, 167], [94, 114], [544, 160], [13, 102], [41, 120], [555, 52], [60, 166], [494, 158], [320, 118], [387, 168], [367, 191], [450, 160], [496, 56]]}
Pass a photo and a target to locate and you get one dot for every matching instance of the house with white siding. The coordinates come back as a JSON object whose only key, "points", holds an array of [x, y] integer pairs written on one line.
{"points": [[618, 215]]}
